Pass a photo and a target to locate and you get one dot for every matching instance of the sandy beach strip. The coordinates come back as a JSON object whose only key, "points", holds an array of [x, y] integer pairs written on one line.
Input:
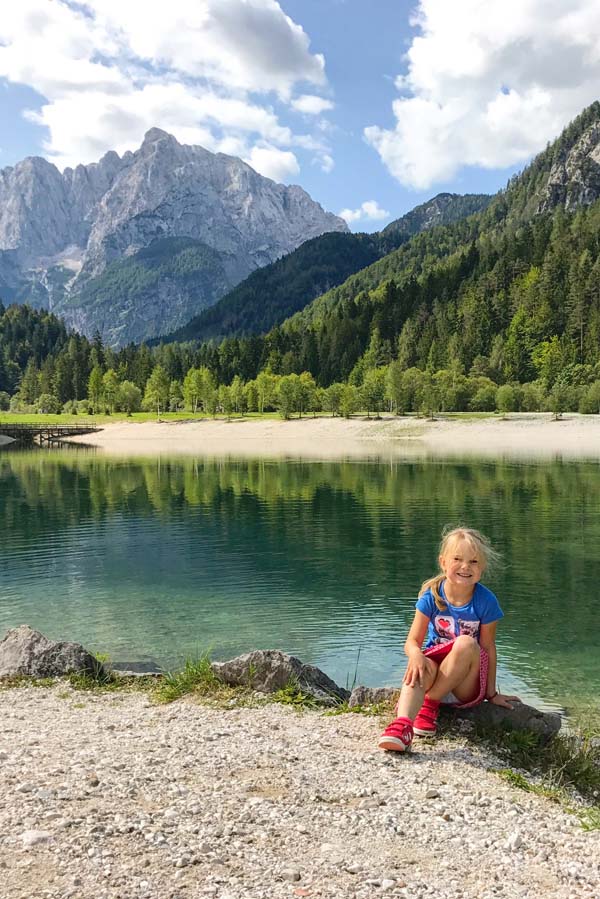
{"points": [[520, 436]]}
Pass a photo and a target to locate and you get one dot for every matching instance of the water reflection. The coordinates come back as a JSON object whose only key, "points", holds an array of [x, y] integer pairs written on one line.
{"points": [[163, 558]]}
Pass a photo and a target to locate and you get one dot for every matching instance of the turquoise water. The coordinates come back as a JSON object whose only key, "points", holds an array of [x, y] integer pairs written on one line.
{"points": [[155, 560]]}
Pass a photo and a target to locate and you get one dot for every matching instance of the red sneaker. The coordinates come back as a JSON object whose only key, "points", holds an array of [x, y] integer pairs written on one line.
{"points": [[426, 721], [397, 737]]}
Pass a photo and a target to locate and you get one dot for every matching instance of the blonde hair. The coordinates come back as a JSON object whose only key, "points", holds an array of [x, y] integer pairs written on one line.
{"points": [[482, 549]]}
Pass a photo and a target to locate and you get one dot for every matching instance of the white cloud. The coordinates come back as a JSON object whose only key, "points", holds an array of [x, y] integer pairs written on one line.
{"points": [[310, 104], [370, 210], [489, 84], [201, 69], [280, 165]]}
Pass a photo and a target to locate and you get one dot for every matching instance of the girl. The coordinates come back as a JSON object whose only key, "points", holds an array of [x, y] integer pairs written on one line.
{"points": [[459, 616]]}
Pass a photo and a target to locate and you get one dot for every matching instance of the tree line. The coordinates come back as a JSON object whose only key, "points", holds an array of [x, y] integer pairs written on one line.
{"points": [[67, 373], [500, 310]]}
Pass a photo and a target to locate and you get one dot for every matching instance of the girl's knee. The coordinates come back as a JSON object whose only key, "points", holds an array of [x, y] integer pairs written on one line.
{"points": [[466, 644], [432, 673]]}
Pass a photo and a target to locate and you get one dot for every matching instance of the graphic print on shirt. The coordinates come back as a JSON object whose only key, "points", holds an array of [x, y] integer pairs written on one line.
{"points": [[469, 627], [444, 628]]}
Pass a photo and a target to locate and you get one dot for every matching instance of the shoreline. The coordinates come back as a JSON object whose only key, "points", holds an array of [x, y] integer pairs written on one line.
{"points": [[521, 436]]}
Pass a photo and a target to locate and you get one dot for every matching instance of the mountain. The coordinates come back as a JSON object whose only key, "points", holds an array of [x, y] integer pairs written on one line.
{"points": [[443, 209], [507, 296], [93, 243], [508, 290], [273, 293]]}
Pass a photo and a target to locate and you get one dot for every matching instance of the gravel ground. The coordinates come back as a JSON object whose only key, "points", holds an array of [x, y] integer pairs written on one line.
{"points": [[112, 797]]}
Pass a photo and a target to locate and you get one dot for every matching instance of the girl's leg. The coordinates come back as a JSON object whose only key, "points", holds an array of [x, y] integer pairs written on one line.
{"points": [[411, 698], [459, 671]]}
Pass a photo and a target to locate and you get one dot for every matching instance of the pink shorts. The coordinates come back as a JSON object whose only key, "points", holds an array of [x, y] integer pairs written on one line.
{"points": [[439, 652]]}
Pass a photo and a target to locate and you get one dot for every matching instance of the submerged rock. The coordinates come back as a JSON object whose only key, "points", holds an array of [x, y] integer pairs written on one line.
{"points": [[24, 651], [269, 670]]}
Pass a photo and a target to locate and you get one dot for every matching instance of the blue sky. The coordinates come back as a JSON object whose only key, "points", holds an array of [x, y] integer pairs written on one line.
{"points": [[371, 107]]}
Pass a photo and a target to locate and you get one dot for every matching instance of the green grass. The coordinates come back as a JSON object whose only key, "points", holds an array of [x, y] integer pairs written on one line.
{"points": [[101, 419], [569, 761], [518, 780], [590, 818], [196, 676], [292, 694]]}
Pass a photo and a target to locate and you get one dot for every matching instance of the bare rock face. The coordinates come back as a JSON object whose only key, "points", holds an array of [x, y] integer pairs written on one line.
{"points": [[269, 670], [574, 180], [66, 229], [24, 651]]}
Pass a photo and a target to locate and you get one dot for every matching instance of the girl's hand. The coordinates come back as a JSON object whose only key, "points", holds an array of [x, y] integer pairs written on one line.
{"points": [[503, 701], [415, 670]]}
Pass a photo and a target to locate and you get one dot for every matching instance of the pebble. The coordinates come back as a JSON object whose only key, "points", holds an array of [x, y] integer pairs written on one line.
{"points": [[114, 797], [31, 838], [514, 842], [291, 874]]}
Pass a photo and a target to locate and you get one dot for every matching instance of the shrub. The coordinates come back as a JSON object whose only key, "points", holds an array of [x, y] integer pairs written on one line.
{"points": [[48, 404]]}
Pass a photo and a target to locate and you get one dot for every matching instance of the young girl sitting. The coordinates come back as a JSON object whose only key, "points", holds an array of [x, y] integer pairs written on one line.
{"points": [[459, 616]]}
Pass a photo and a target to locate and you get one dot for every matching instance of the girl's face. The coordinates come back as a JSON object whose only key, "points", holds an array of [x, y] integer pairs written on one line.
{"points": [[461, 564]]}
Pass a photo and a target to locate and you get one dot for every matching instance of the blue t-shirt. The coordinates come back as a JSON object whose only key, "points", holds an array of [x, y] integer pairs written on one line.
{"points": [[445, 626]]}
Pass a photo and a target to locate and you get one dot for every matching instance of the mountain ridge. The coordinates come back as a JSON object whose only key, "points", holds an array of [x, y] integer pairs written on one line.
{"points": [[59, 232], [271, 294]]}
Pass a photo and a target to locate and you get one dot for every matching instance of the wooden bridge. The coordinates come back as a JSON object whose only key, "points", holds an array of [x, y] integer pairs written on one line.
{"points": [[44, 431]]}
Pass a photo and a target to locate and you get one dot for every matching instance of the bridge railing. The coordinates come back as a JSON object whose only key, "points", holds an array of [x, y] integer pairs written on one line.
{"points": [[46, 425]]}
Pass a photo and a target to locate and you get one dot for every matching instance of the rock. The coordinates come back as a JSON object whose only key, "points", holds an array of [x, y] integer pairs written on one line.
{"points": [[24, 651], [365, 696], [291, 874], [31, 838], [520, 717], [432, 794], [574, 179], [163, 198], [514, 842], [269, 670]]}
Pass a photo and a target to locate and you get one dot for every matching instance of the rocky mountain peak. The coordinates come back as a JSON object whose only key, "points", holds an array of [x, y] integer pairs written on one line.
{"points": [[99, 215], [155, 134]]}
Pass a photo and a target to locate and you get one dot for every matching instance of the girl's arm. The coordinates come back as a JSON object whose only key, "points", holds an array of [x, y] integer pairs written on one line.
{"points": [[487, 641], [417, 663]]}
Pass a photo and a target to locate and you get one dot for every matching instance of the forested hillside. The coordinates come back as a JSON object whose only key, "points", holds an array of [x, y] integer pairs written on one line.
{"points": [[273, 293], [497, 311]]}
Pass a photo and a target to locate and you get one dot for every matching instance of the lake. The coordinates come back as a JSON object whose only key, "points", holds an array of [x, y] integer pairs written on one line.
{"points": [[156, 560]]}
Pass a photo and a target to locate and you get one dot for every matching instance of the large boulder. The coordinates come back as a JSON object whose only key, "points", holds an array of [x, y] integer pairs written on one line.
{"points": [[520, 717], [24, 651], [269, 670]]}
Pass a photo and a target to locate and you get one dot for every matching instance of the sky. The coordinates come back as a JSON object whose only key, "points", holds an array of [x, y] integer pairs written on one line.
{"points": [[372, 106]]}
